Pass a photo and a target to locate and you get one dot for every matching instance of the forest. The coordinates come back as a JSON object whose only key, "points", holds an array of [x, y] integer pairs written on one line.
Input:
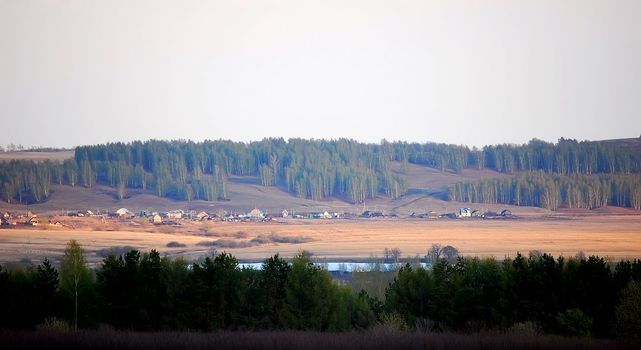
{"points": [[552, 191], [540, 294], [342, 168]]}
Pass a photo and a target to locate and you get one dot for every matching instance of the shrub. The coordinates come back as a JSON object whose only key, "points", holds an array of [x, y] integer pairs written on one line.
{"points": [[241, 234], [54, 324], [574, 322], [628, 313], [175, 244], [392, 322], [118, 250]]}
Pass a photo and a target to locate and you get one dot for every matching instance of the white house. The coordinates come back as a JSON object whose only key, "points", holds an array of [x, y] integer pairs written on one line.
{"points": [[464, 212], [123, 212]]}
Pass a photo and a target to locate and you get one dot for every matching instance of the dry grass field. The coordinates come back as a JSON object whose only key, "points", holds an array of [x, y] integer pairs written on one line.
{"points": [[614, 236], [57, 156]]}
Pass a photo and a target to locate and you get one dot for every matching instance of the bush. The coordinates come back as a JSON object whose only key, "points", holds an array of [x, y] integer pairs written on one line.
{"points": [[241, 234], [628, 313], [118, 250], [227, 243], [175, 244], [274, 238], [392, 322], [54, 324], [574, 322]]}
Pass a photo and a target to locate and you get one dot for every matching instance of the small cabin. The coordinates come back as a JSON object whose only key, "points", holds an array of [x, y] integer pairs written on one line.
{"points": [[156, 219], [464, 212], [175, 215], [123, 212], [256, 214], [202, 216]]}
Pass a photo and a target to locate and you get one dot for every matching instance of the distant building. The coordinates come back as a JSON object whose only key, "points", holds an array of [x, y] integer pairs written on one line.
{"points": [[256, 214], [284, 213], [175, 215], [432, 215], [202, 216], [372, 214], [325, 215], [123, 212], [464, 212], [156, 219]]}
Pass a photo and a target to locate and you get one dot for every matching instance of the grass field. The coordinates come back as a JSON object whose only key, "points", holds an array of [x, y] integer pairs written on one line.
{"points": [[614, 236], [58, 156], [375, 339]]}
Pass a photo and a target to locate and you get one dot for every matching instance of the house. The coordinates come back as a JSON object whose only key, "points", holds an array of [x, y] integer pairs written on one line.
{"points": [[33, 221], [506, 213], [175, 214], [325, 215], [476, 214], [202, 216], [156, 219], [372, 214], [284, 213], [256, 214], [123, 212], [448, 216], [464, 212], [89, 213]]}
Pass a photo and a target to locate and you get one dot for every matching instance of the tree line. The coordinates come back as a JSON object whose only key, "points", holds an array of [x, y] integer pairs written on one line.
{"points": [[144, 291], [552, 191], [314, 169]]}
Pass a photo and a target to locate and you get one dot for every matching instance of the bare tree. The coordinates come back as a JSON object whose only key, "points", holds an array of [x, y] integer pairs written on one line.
{"points": [[396, 255], [434, 253]]}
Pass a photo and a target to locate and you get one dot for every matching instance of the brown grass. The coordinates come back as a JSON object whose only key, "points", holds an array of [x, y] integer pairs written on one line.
{"points": [[59, 156], [383, 340], [615, 236]]}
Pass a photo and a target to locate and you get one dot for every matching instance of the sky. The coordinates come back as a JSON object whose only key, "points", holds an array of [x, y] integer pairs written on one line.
{"points": [[76, 72]]}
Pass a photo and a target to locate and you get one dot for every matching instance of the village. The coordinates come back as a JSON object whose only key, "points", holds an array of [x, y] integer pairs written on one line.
{"points": [[178, 216]]}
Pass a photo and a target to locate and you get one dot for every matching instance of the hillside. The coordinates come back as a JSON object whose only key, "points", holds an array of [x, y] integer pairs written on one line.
{"points": [[316, 175], [426, 187]]}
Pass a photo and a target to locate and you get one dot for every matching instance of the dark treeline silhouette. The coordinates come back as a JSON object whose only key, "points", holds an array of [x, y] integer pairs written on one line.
{"points": [[147, 292], [552, 191], [313, 169]]}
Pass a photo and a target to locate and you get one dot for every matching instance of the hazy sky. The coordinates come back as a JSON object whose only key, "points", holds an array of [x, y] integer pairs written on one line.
{"points": [[465, 72]]}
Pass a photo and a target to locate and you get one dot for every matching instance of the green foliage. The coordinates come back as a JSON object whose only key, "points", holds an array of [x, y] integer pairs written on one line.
{"points": [[628, 312], [76, 282], [574, 322], [147, 292], [309, 296]]}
